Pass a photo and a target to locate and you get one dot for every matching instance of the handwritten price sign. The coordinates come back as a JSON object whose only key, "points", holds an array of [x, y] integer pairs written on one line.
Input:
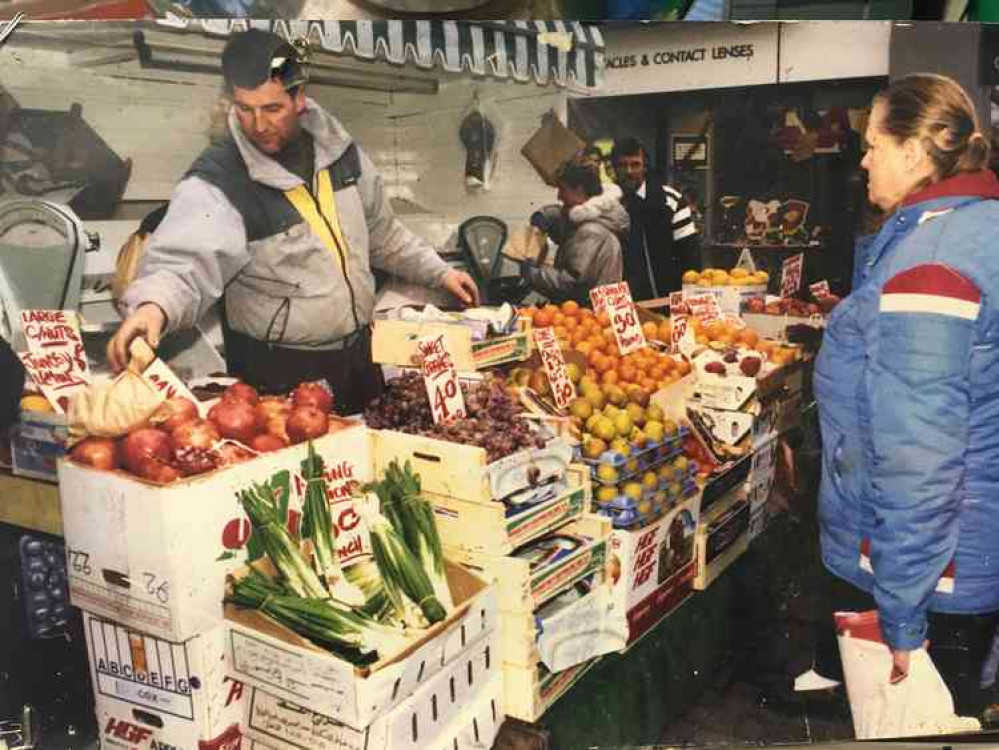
{"points": [[820, 289], [679, 315], [790, 275], [55, 358], [551, 357], [441, 379], [704, 306], [615, 299]]}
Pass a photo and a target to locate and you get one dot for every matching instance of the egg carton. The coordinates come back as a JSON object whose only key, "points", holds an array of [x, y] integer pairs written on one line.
{"points": [[650, 462], [651, 451], [625, 512]]}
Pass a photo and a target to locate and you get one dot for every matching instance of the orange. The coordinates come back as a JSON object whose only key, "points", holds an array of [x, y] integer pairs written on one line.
{"points": [[610, 377], [749, 337], [571, 324], [602, 365], [683, 367], [558, 318], [584, 348], [658, 372], [543, 318], [702, 339], [648, 384], [715, 329], [560, 332], [650, 329], [628, 373], [603, 319], [594, 356], [665, 330], [570, 308], [528, 312]]}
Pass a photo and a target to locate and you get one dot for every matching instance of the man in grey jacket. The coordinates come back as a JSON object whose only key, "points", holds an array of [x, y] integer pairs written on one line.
{"points": [[285, 221], [587, 228]]}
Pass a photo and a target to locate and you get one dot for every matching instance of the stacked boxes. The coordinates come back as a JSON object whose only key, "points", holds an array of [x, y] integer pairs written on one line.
{"points": [[524, 523], [173, 668]]}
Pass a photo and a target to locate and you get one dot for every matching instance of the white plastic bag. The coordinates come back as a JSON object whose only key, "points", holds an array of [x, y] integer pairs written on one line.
{"points": [[920, 704]]}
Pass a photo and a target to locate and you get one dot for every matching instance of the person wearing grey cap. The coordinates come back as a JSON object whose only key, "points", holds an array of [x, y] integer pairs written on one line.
{"points": [[284, 221]]}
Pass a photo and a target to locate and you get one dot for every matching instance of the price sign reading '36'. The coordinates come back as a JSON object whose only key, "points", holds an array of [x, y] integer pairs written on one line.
{"points": [[441, 379]]}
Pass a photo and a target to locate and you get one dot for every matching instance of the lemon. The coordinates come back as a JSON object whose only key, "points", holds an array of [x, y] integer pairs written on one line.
{"points": [[36, 403]]}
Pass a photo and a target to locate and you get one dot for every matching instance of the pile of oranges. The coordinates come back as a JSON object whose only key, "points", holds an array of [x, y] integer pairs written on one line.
{"points": [[580, 329]]}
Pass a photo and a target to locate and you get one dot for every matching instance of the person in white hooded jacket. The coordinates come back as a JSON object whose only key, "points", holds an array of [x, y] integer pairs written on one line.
{"points": [[587, 227]]}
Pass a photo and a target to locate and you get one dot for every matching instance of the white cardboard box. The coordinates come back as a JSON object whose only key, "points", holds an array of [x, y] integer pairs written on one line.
{"points": [[652, 568], [421, 721], [266, 655], [153, 693], [156, 557]]}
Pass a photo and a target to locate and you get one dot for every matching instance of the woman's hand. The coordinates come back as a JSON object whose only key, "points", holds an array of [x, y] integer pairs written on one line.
{"points": [[900, 664]]}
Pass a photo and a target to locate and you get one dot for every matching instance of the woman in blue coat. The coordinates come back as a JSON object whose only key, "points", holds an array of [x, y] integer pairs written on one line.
{"points": [[907, 383]]}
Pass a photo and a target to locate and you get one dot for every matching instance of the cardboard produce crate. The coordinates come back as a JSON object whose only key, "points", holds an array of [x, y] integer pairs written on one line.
{"points": [[155, 557], [150, 692], [652, 569], [393, 342], [486, 527], [722, 537], [523, 590], [264, 654], [463, 472], [432, 717], [590, 626], [530, 691]]}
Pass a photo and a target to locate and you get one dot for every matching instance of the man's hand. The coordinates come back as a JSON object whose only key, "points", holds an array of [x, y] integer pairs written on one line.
{"points": [[147, 321], [461, 285]]}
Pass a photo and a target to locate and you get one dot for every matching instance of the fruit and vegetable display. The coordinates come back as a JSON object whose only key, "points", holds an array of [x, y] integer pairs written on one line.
{"points": [[176, 442], [369, 610], [792, 306], [710, 277], [492, 419]]}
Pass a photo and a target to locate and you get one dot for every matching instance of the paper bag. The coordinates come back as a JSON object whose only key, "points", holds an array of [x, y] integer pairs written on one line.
{"points": [[919, 705], [526, 243], [115, 408], [551, 147]]}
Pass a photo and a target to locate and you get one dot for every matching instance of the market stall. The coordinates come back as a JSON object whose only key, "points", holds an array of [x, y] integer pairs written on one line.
{"points": [[543, 497]]}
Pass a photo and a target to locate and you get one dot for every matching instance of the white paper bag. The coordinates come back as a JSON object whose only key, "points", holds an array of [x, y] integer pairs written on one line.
{"points": [[920, 704]]}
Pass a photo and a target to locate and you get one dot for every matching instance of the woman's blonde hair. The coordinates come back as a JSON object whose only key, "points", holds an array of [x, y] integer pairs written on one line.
{"points": [[937, 111]]}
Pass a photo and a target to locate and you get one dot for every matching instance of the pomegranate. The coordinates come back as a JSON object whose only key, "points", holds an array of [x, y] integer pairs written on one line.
{"points": [[241, 392], [174, 412], [158, 471], [196, 433], [234, 419], [306, 423], [313, 394], [144, 444], [266, 443], [270, 406], [99, 452]]}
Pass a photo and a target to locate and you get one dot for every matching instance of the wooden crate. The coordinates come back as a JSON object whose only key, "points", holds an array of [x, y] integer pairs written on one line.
{"points": [[522, 590], [485, 527], [530, 691], [459, 471], [393, 342]]}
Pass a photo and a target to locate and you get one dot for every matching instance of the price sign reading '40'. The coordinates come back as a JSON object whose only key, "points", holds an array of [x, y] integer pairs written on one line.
{"points": [[551, 357], [441, 379], [615, 300]]}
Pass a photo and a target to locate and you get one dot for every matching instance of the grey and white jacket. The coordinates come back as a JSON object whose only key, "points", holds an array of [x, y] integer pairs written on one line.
{"points": [[233, 231], [589, 247]]}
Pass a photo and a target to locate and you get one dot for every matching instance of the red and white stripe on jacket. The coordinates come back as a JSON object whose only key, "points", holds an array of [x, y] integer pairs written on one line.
{"points": [[931, 288]]}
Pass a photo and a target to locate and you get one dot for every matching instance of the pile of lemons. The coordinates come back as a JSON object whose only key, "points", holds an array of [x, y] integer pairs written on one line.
{"points": [[720, 277]]}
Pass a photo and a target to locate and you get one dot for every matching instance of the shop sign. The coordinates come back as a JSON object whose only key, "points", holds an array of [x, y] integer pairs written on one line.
{"points": [[55, 360], [685, 58], [551, 357], [790, 275], [441, 379]]}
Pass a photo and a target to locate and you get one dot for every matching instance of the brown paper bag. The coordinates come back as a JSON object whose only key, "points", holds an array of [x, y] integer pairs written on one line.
{"points": [[526, 243], [114, 409], [551, 147]]}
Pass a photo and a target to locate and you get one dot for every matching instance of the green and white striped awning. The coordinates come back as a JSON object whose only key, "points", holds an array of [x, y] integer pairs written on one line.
{"points": [[565, 53]]}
